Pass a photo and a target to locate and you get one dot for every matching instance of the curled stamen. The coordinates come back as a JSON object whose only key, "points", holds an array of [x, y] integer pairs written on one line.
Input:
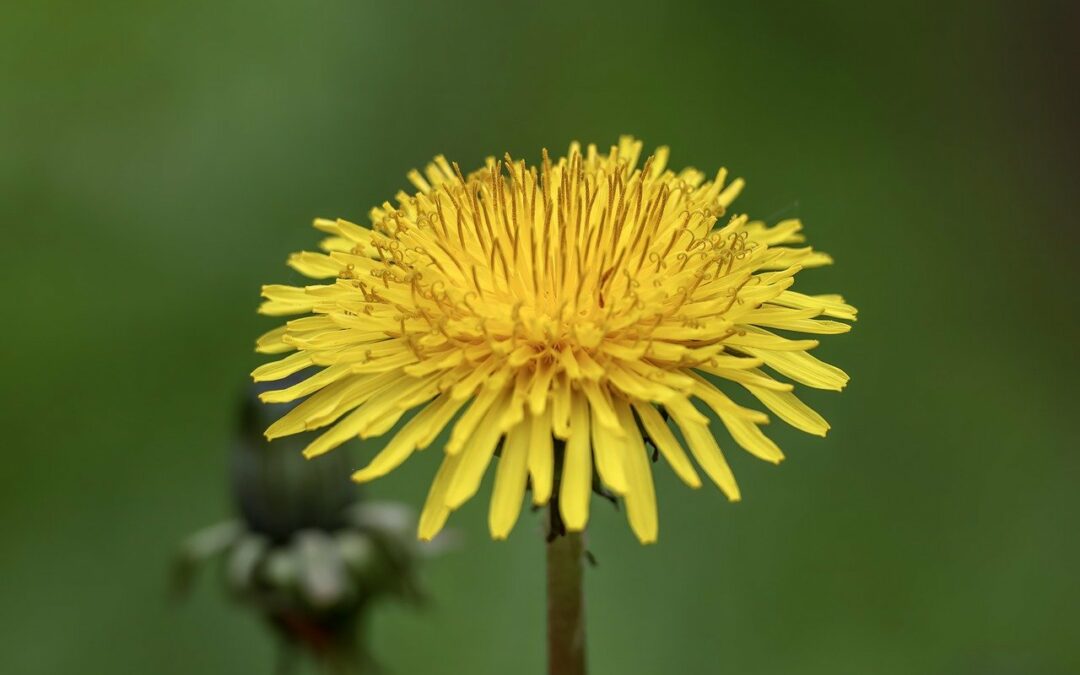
{"points": [[469, 298], [660, 264], [697, 243]]}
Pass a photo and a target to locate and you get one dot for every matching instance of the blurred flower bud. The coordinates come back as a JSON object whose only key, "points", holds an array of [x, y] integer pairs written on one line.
{"points": [[277, 491], [307, 554]]}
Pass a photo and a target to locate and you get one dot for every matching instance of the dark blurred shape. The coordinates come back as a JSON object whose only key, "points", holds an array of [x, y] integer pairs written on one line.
{"points": [[306, 553], [276, 489]]}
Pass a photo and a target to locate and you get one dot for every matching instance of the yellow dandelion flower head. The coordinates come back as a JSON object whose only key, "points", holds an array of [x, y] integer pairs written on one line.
{"points": [[563, 317]]}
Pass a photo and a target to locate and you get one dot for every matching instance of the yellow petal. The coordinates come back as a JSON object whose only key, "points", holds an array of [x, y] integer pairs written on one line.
{"points": [[640, 494], [784, 232], [576, 486], [312, 384], [510, 477], [637, 386], [283, 300], [708, 454], [438, 420], [722, 405], [468, 422], [435, 512], [375, 416], [750, 438], [322, 407], [749, 337], [540, 387], [790, 409], [541, 457], [407, 440], [664, 440], [608, 451], [804, 368], [602, 410], [314, 265], [561, 398], [276, 370], [749, 376], [731, 192], [802, 325], [476, 456], [270, 342]]}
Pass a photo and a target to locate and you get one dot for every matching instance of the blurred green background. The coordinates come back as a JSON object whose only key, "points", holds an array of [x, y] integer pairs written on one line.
{"points": [[158, 161]]}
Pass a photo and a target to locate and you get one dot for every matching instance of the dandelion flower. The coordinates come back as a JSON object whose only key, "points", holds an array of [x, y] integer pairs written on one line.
{"points": [[571, 319]]}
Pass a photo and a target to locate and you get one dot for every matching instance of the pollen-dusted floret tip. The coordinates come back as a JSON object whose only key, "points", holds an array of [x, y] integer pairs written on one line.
{"points": [[558, 316]]}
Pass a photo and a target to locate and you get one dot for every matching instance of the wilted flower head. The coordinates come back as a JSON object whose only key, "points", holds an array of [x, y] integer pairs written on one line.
{"points": [[560, 317]]}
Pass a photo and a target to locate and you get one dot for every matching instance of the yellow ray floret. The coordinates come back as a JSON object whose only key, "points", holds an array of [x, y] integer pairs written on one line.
{"points": [[562, 320]]}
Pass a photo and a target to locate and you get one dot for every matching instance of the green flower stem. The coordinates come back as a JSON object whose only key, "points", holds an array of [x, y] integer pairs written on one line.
{"points": [[566, 603]]}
